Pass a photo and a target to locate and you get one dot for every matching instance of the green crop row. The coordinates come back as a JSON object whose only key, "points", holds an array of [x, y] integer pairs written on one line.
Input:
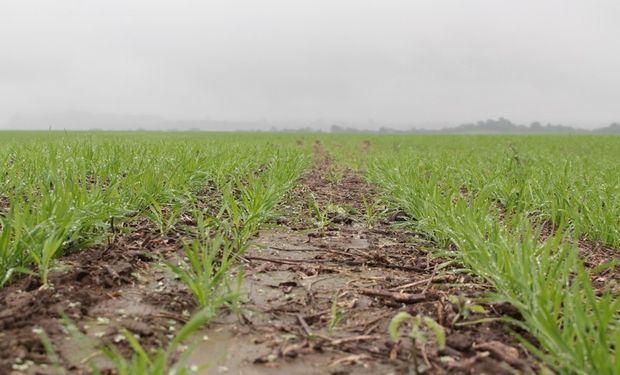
{"points": [[63, 193], [493, 199], [556, 179]]}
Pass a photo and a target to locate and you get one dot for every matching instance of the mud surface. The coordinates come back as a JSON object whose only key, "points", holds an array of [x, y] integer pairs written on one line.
{"points": [[102, 290], [319, 296]]}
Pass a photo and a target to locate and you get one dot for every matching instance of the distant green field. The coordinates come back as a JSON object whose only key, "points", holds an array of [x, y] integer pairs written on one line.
{"points": [[519, 211]]}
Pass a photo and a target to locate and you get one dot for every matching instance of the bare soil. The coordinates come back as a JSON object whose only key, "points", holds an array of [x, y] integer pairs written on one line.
{"points": [[316, 301], [4, 203]]}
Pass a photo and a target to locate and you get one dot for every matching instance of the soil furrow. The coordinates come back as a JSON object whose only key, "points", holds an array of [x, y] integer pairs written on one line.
{"points": [[320, 301]]}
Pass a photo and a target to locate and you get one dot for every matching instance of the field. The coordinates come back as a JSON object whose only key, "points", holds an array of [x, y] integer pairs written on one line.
{"points": [[144, 253]]}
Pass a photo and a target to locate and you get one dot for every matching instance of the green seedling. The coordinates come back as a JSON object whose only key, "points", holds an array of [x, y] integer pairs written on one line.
{"points": [[336, 315], [335, 210], [163, 361], [464, 308], [321, 217], [417, 334], [143, 363], [370, 212], [165, 217], [203, 223], [206, 272], [43, 260]]}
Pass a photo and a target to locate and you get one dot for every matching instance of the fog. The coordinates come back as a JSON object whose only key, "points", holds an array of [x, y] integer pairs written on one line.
{"points": [[403, 63]]}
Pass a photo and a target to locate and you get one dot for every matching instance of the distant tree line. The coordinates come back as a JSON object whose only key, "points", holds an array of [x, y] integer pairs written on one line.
{"points": [[491, 126]]}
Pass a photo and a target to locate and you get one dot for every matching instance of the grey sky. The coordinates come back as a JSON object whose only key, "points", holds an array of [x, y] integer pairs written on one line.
{"points": [[415, 62]]}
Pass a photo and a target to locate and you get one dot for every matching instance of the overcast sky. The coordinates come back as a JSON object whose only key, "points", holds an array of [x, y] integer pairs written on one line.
{"points": [[415, 62]]}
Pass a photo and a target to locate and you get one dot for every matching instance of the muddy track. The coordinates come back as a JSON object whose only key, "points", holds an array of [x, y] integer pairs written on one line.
{"points": [[317, 301], [320, 303]]}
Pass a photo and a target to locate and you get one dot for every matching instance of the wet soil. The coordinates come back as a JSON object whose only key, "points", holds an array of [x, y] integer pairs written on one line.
{"points": [[4, 203], [113, 286], [605, 261], [318, 299]]}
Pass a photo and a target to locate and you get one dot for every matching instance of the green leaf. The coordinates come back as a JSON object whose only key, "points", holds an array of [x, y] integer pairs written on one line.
{"points": [[438, 331], [396, 322]]}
